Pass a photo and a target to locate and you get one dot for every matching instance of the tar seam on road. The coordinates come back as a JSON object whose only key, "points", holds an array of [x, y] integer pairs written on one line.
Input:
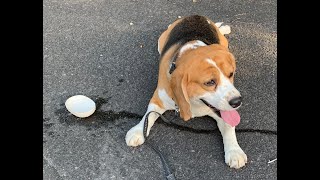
{"points": [[107, 116], [203, 131]]}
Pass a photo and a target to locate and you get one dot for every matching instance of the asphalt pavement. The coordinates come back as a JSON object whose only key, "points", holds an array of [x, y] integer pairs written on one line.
{"points": [[107, 50]]}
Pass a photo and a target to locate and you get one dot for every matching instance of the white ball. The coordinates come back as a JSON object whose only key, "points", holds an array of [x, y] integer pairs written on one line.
{"points": [[80, 106]]}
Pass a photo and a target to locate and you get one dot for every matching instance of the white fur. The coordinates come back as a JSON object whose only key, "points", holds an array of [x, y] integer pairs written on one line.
{"points": [[191, 45], [168, 103], [210, 61]]}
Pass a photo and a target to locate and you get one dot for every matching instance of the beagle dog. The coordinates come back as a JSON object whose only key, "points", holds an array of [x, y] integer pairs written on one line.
{"points": [[196, 74]]}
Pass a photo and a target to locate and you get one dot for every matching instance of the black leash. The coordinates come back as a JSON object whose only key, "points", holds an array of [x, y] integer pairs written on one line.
{"points": [[167, 170]]}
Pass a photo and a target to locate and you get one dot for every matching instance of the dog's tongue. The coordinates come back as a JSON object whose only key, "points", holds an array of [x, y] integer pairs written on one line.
{"points": [[231, 117]]}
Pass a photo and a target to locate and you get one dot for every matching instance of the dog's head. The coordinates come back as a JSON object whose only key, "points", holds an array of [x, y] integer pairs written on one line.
{"points": [[205, 74]]}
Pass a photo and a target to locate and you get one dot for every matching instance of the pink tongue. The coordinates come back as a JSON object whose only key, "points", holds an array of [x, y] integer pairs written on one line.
{"points": [[231, 117]]}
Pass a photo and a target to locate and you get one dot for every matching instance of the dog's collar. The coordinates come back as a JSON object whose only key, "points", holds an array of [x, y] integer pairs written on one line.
{"points": [[173, 61], [175, 56]]}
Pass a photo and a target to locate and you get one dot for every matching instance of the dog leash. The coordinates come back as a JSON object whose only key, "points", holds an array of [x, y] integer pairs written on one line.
{"points": [[167, 170]]}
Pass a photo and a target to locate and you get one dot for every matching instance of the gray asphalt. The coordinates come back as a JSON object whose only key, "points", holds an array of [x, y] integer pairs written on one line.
{"points": [[90, 48]]}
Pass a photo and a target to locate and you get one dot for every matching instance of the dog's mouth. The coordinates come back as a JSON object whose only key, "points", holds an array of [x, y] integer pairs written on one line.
{"points": [[214, 109], [231, 117]]}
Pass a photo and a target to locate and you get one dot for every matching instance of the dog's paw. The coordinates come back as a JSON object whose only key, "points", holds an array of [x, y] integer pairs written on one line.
{"points": [[134, 136], [225, 29], [236, 158]]}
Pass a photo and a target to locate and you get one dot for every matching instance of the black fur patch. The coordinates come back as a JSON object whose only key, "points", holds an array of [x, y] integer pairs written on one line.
{"points": [[192, 28]]}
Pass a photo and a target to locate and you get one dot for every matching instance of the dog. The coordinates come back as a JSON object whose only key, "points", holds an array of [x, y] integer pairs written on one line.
{"points": [[196, 74]]}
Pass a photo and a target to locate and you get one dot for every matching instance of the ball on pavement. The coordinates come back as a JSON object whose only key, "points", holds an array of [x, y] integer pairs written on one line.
{"points": [[80, 106]]}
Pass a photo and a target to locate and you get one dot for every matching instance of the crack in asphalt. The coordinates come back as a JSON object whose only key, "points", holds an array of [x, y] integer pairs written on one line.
{"points": [[207, 131]]}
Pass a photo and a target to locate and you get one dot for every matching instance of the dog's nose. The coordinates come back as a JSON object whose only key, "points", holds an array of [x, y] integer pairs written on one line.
{"points": [[235, 102]]}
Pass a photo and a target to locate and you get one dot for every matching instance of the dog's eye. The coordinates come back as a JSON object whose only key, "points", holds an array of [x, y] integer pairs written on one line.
{"points": [[210, 83], [231, 74]]}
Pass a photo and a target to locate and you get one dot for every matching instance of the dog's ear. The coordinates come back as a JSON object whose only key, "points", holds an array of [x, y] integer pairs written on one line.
{"points": [[179, 82]]}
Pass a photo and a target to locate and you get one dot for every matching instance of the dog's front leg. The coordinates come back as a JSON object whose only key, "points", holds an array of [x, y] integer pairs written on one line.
{"points": [[234, 155], [134, 136]]}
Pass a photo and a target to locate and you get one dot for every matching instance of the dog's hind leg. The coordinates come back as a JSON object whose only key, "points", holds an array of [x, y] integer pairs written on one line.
{"points": [[163, 37], [225, 29], [222, 31], [218, 24]]}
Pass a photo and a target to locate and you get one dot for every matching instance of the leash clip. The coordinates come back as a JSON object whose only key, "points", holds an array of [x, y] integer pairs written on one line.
{"points": [[176, 110]]}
